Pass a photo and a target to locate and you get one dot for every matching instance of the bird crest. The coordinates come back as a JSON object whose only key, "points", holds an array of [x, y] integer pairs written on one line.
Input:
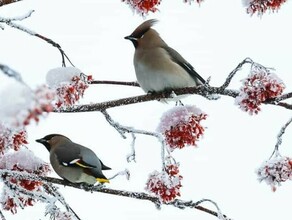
{"points": [[143, 28]]}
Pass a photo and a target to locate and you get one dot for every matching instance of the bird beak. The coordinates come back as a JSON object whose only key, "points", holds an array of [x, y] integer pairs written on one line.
{"points": [[42, 141], [130, 38]]}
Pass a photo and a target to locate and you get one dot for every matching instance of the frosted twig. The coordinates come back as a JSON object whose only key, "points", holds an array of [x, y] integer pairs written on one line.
{"points": [[279, 138], [10, 72], [232, 74], [126, 129], [53, 191], [2, 216], [135, 195], [184, 204], [126, 173], [132, 155], [122, 130], [219, 213], [10, 22]]}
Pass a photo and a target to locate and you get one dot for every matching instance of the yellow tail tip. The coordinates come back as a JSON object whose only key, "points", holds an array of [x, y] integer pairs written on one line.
{"points": [[102, 180]]}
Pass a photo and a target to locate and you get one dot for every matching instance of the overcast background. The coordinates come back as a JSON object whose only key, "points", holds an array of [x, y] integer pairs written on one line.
{"points": [[214, 38]]}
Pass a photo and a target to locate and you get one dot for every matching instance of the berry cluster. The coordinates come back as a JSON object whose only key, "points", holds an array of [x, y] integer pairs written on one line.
{"points": [[143, 7], [259, 86], [181, 126], [261, 6], [166, 184], [275, 171]]}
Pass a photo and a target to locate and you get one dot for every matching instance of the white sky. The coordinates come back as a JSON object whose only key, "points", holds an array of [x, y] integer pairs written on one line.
{"points": [[214, 38]]}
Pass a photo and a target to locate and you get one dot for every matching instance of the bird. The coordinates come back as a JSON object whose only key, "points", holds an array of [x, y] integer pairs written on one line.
{"points": [[74, 162], [159, 67]]}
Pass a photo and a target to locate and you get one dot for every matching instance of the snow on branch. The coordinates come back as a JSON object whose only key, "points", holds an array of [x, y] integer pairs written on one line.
{"points": [[279, 137], [260, 76], [135, 195], [127, 129]]}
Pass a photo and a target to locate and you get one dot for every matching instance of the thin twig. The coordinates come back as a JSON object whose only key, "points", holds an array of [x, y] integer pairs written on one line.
{"points": [[54, 192], [110, 82], [2, 216], [280, 138], [10, 22], [232, 74], [126, 129]]}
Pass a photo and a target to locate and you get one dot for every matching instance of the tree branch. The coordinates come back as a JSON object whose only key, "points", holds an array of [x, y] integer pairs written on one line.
{"points": [[232, 74], [203, 91], [6, 2], [110, 82], [100, 188]]}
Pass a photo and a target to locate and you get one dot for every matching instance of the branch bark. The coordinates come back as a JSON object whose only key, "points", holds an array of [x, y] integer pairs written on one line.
{"points": [[100, 188], [203, 91], [6, 2]]}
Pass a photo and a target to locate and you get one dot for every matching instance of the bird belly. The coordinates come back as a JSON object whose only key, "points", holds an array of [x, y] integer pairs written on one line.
{"points": [[161, 76], [75, 175]]}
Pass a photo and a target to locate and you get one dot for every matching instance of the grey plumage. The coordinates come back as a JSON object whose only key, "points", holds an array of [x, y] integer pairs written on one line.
{"points": [[159, 67], [73, 161]]}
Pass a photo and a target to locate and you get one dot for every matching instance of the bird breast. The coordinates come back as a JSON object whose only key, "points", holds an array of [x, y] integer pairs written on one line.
{"points": [[155, 71]]}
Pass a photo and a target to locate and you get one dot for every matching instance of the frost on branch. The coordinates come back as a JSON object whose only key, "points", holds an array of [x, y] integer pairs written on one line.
{"points": [[181, 126], [259, 86], [25, 161], [165, 184], [261, 6], [190, 1], [11, 139], [69, 83], [275, 171], [20, 104], [56, 214], [144, 6]]}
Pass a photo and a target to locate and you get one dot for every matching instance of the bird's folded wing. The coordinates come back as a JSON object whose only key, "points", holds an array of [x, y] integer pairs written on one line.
{"points": [[177, 58], [72, 158]]}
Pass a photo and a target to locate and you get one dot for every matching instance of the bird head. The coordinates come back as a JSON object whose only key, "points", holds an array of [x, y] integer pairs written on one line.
{"points": [[49, 140], [140, 31]]}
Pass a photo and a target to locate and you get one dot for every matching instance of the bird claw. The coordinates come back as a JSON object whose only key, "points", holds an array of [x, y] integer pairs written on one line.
{"points": [[87, 187]]}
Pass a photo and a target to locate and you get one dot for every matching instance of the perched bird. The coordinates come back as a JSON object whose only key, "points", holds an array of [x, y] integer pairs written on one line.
{"points": [[158, 67], [74, 162]]}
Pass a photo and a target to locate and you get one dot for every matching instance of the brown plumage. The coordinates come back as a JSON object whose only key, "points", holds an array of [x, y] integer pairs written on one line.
{"points": [[159, 67]]}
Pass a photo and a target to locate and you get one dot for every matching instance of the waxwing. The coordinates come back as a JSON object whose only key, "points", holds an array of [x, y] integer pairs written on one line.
{"points": [[72, 161], [159, 67]]}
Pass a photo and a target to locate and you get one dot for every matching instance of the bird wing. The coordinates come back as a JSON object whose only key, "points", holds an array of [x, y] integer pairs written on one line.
{"points": [[73, 157], [177, 58]]}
